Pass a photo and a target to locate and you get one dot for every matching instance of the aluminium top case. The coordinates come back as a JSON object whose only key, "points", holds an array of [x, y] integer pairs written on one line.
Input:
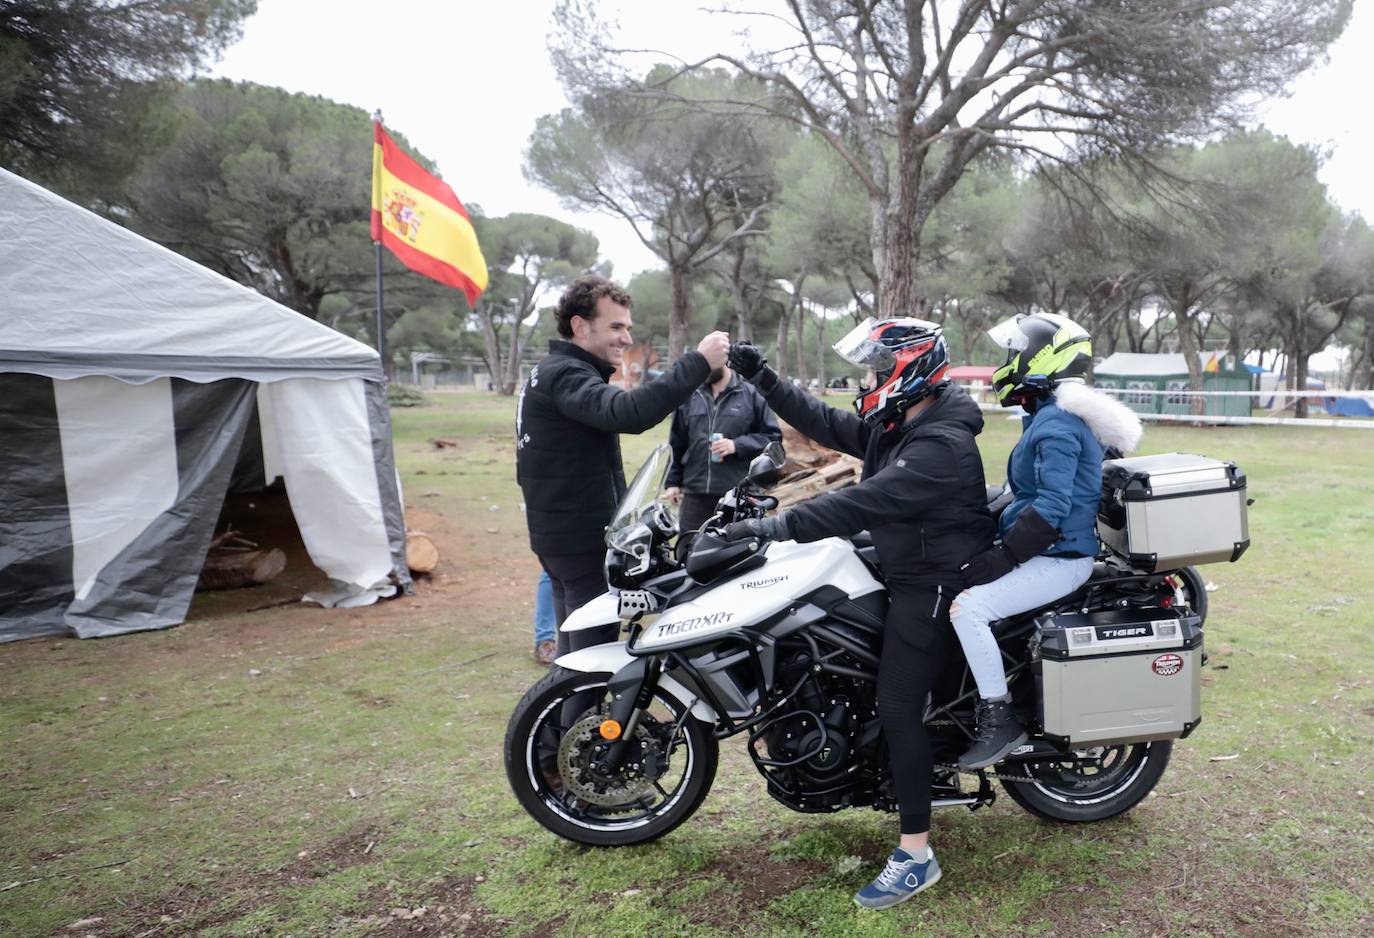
{"points": [[1173, 510]]}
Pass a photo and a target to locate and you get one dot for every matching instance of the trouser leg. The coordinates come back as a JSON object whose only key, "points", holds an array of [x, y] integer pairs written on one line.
{"points": [[545, 613], [1034, 583], [918, 645], [695, 510], [577, 580]]}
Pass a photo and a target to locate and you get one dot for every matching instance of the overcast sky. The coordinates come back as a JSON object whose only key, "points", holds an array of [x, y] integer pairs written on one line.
{"points": [[465, 82]]}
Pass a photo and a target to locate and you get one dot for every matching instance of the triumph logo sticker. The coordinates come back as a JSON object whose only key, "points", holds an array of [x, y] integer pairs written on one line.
{"points": [[760, 584], [1167, 665], [691, 625]]}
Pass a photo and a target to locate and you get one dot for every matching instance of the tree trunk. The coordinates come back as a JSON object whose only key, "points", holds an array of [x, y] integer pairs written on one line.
{"points": [[492, 342], [820, 354], [511, 380], [1362, 368], [784, 321], [681, 313], [1297, 354], [801, 343], [1187, 344], [897, 276], [743, 314]]}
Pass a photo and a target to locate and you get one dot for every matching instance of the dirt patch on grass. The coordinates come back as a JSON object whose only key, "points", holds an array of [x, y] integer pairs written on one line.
{"points": [[1187, 897], [757, 879], [193, 907], [448, 909]]}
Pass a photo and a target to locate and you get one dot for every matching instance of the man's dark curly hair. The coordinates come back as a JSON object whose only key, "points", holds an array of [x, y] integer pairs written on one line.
{"points": [[580, 300]]}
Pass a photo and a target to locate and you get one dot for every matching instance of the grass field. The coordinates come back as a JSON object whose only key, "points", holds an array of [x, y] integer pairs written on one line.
{"points": [[299, 771]]}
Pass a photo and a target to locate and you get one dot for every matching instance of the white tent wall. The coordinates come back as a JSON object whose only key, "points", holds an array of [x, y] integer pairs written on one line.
{"points": [[324, 442], [119, 461]]}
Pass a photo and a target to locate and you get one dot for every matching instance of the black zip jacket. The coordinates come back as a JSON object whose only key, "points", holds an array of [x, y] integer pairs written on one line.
{"points": [[739, 414], [921, 495], [567, 457]]}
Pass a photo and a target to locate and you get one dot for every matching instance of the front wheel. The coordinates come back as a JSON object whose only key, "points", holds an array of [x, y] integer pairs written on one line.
{"points": [[1097, 784], [557, 767]]}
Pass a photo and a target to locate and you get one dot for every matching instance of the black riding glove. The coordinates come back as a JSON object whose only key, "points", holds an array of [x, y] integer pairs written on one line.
{"points": [[774, 528], [748, 361], [1026, 538]]}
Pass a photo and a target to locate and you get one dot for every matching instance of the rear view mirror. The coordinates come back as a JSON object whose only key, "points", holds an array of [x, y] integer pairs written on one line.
{"points": [[766, 467]]}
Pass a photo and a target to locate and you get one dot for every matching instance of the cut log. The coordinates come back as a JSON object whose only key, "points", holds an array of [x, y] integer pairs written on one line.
{"points": [[421, 554], [235, 569]]}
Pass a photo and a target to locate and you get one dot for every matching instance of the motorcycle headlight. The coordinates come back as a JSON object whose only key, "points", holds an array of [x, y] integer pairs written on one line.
{"points": [[633, 542]]}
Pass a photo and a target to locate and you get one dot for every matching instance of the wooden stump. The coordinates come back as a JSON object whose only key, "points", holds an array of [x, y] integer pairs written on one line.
{"points": [[228, 570], [421, 554]]}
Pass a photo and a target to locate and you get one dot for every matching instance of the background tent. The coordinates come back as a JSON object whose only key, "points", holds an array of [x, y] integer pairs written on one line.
{"points": [[129, 379], [1146, 374]]}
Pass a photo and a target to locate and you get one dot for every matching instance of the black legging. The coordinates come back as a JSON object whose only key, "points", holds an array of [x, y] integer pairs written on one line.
{"points": [[918, 646]]}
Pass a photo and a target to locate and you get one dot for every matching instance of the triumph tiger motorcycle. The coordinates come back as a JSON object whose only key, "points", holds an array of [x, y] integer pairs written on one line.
{"points": [[779, 642]]}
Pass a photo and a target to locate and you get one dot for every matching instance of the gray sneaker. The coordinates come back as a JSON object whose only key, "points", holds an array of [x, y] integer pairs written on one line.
{"points": [[901, 879]]}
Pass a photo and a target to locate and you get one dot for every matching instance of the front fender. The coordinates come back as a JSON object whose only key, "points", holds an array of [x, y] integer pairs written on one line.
{"points": [[612, 656], [601, 611]]}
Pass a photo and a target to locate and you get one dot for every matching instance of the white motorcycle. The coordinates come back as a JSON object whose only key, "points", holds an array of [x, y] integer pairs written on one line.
{"points": [[779, 642]]}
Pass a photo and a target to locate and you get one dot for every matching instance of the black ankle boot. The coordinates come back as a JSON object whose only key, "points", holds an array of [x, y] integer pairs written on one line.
{"points": [[998, 733]]}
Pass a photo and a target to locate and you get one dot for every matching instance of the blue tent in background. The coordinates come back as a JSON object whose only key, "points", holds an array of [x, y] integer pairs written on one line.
{"points": [[1348, 406]]}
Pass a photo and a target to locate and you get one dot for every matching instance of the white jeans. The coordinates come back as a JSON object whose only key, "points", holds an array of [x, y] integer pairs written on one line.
{"points": [[1036, 582]]}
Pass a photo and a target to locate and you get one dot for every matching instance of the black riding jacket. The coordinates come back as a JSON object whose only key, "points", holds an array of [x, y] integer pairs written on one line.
{"points": [[567, 458], [738, 414], [921, 494]]}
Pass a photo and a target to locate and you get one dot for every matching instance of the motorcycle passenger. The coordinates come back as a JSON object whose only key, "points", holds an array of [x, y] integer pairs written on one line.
{"points": [[1048, 533], [921, 496]]}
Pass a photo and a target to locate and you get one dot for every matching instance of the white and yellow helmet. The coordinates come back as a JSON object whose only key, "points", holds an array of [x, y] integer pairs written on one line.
{"points": [[1043, 349]]}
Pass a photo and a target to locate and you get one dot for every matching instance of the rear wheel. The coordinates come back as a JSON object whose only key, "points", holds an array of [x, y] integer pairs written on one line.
{"points": [[1191, 590], [1097, 784], [556, 763]]}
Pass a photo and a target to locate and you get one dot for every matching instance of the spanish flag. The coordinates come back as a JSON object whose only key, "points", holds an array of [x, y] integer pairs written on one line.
{"points": [[419, 218]]}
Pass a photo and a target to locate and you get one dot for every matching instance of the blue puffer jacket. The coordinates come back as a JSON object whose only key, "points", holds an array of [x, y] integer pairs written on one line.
{"points": [[1057, 467]]}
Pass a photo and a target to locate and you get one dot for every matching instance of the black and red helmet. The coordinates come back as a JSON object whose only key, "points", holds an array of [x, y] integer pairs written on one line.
{"points": [[908, 358]]}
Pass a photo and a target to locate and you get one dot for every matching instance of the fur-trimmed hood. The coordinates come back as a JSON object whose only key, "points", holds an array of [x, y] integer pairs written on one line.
{"points": [[1112, 422]]}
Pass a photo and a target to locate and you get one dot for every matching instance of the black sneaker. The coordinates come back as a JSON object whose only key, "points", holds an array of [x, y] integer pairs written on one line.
{"points": [[998, 733]]}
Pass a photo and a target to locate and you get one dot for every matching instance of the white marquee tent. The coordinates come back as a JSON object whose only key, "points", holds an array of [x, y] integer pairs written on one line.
{"points": [[129, 379]]}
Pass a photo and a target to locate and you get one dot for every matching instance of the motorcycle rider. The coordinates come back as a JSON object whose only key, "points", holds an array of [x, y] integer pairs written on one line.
{"points": [[922, 497], [1048, 533]]}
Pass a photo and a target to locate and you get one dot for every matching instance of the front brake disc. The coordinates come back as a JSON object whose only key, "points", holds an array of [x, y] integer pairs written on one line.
{"points": [[574, 755]]}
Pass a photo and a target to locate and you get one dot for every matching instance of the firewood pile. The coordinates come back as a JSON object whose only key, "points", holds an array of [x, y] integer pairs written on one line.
{"points": [[811, 469], [234, 562]]}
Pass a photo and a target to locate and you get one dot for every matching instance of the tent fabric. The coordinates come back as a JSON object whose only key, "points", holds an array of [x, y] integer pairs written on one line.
{"points": [[1349, 406], [132, 383], [85, 296], [1144, 364]]}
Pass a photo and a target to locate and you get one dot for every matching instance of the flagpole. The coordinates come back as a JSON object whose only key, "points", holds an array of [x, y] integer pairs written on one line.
{"points": [[381, 319], [381, 330]]}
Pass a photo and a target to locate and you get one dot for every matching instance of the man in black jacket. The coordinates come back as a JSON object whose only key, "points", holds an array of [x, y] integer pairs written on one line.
{"points": [[714, 435], [568, 459], [922, 498]]}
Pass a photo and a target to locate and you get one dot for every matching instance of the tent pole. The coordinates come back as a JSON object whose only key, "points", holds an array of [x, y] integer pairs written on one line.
{"points": [[381, 329]]}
